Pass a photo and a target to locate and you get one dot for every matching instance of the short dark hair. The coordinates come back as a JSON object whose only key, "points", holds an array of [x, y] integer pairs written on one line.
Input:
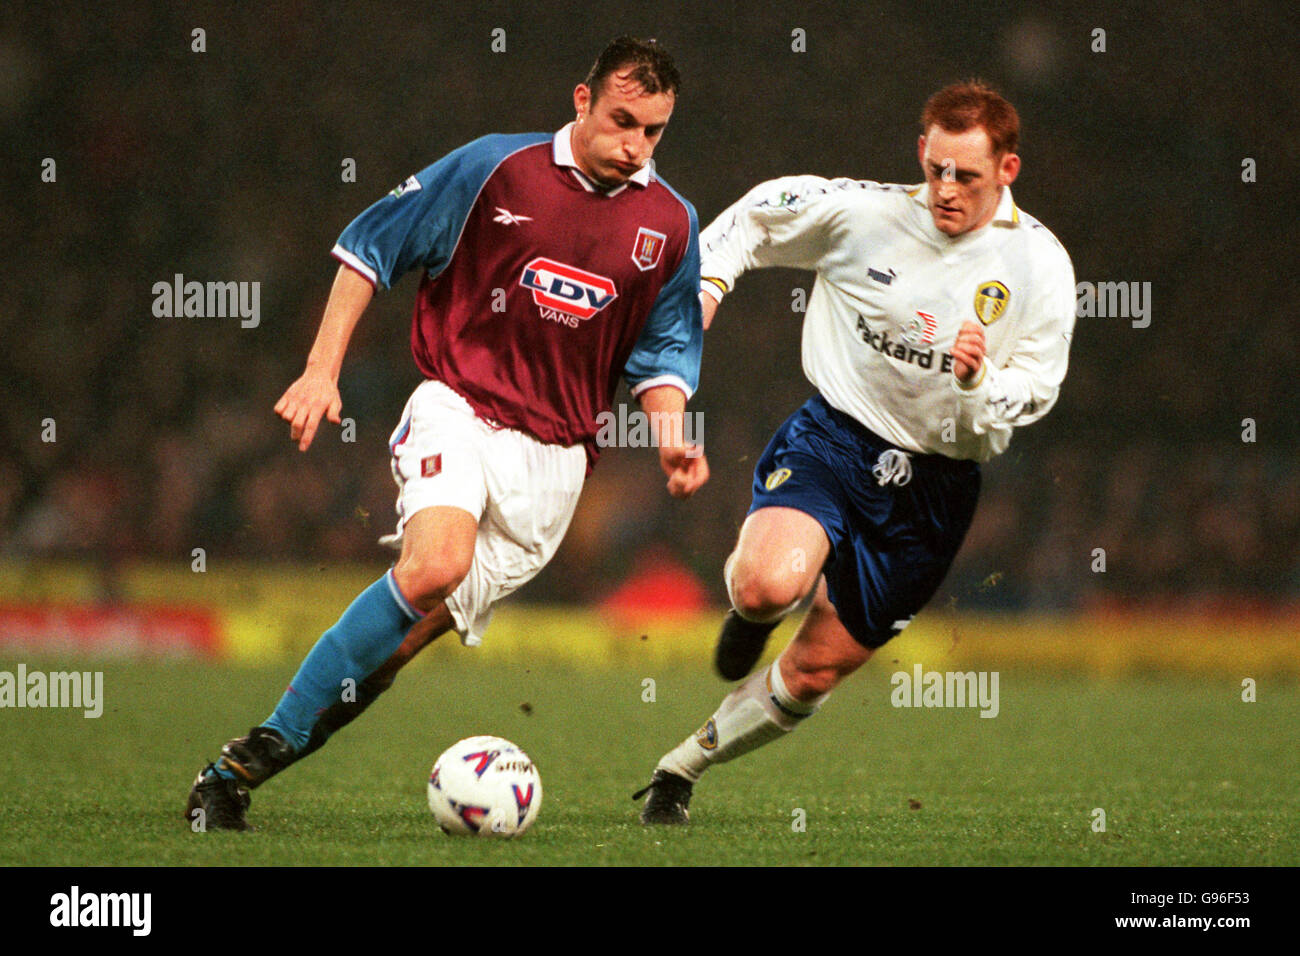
{"points": [[653, 68], [963, 106]]}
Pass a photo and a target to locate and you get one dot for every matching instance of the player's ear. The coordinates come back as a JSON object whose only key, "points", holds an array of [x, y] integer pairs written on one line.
{"points": [[581, 100], [920, 151], [1008, 169]]}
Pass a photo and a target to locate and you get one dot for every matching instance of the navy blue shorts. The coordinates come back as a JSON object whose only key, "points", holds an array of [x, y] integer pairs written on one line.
{"points": [[891, 544]]}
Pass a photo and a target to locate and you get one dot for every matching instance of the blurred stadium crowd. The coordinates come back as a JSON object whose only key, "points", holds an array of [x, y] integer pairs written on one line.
{"points": [[226, 165]]}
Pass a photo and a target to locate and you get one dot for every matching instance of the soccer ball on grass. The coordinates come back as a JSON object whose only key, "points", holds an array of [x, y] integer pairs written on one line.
{"points": [[484, 786]]}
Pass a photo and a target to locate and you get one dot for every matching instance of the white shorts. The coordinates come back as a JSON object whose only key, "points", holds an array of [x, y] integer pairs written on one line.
{"points": [[521, 492]]}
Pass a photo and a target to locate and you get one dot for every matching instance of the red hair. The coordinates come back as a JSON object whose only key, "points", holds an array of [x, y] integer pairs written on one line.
{"points": [[962, 106]]}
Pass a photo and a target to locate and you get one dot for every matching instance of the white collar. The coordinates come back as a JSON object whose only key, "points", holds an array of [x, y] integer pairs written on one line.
{"points": [[562, 152]]}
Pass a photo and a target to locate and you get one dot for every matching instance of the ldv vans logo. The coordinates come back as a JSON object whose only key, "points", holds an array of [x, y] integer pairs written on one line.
{"points": [[563, 288]]}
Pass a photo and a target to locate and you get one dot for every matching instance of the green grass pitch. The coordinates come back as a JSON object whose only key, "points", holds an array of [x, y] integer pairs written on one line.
{"points": [[1186, 773]]}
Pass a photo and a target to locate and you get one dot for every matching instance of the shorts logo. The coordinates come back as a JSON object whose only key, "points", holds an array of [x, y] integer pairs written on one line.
{"points": [[567, 290], [776, 478], [707, 736], [648, 248], [431, 466], [991, 301], [920, 329]]}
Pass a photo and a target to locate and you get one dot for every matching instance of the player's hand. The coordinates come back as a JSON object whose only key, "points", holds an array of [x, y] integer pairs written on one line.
{"points": [[686, 467], [710, 306], [313, 396], [968, 352]]}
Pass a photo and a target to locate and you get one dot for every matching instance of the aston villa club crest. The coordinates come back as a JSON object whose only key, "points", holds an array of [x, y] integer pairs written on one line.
{"points": [[991, 301], [648, 248], [920, 329]]}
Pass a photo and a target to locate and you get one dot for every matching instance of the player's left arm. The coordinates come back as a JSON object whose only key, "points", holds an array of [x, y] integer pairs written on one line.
{"points": [[663, 369], [1025, 387]]}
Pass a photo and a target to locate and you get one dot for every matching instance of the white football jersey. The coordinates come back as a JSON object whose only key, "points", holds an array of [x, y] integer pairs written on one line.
{"points": [[892, 292]]}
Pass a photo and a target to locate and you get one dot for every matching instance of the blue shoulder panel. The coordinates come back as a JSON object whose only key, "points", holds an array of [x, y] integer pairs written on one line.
{"points": [[672, 340], [419, 222]]}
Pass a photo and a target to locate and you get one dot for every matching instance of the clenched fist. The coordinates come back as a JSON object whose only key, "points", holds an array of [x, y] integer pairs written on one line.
{"points": [[968, 352], [686, 467]]}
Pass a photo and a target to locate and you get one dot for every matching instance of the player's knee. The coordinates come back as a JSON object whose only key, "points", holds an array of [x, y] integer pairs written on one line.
{"points": [[426, 580], [762, 594]]}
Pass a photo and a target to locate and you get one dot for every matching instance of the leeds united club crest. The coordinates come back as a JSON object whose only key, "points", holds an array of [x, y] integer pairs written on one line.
{"points": [[991, 300]]}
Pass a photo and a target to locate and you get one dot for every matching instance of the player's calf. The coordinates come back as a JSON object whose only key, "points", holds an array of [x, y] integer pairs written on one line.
{"points": [[342, 712], [822, 653], [810, 685]]}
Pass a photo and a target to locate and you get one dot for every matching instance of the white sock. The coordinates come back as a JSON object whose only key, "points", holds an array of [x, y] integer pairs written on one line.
{"points": [[758, 711]]}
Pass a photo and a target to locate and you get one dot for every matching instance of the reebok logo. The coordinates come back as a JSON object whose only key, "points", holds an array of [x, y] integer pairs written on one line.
{"points": [[507, 218]]}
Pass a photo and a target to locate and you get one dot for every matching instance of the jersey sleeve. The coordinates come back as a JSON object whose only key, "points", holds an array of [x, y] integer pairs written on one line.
{"points": [[419, 222], [1027, 385], [781, 222], [672, 340]]}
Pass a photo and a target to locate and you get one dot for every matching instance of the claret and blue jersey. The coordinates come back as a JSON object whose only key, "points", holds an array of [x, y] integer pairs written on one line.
{"points": [[540, 288]]}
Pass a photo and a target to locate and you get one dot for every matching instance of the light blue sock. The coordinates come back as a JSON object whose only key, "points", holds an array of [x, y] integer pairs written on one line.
{"points": [[370, 630]]}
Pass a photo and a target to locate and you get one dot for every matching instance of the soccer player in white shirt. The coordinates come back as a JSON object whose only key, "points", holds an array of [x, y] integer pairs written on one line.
{"points": [[940, 320]]}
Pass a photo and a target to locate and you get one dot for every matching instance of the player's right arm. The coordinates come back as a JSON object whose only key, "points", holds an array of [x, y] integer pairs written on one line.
{"points": [[315, 394], [781, 222], [415, 226]]}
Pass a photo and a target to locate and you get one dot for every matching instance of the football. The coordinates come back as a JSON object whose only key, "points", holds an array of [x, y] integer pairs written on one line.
{"points": [[484, 786]]}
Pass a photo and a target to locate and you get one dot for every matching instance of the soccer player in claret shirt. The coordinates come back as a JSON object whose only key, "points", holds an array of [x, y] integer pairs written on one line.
{"points": [[553, 265], [939, 322]]}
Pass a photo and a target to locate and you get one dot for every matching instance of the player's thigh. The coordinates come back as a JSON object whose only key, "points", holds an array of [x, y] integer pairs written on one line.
{"points": [[780, 548], [532, 492], [822, 653], [437, 551]]}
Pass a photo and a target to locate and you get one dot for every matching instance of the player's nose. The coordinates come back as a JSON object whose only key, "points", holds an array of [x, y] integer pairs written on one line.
{"points": [[635, 145]]}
